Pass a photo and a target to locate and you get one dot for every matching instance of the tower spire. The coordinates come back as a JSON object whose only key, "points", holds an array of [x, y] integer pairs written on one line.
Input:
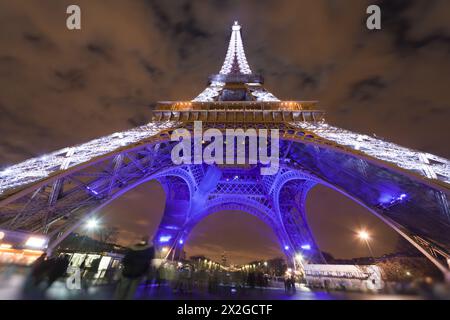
{"points": [[235, 60], [235, 81]]}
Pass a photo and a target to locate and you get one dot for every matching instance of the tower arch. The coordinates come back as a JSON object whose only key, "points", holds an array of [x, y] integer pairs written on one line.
{"points": [[230, 203]]}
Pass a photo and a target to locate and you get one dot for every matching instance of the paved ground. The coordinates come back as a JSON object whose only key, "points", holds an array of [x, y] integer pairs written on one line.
{"points": [[58, 291], [226, 293], [12, 289]]}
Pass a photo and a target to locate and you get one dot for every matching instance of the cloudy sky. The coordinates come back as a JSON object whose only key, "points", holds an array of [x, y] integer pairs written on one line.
{"points": [[61, 87]]}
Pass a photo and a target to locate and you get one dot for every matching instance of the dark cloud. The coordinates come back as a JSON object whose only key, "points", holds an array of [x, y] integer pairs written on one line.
{"points": [[400, 17], [38, 41], [162, 20], [71, 79], [189, 26], [152, 70], [178, 21], [99, 50], [396, 21], [34, 38], [366, 89]]}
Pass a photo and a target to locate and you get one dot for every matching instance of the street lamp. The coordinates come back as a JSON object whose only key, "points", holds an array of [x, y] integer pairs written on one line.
{"points": [[92, 224], [298, 261], [36, 242], [363, 235]]}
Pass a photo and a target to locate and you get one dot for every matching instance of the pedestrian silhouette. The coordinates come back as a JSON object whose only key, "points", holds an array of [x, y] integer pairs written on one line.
{"points": [[136, 264], [58, 269]]}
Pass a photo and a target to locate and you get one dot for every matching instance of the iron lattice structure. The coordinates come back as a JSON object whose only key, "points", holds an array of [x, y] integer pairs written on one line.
{"points": [[407, 189]]}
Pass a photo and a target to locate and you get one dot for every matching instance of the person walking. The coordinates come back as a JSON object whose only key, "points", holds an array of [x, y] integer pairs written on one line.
{"points": [[292, 283], [38, 269], [83, 267], [179, 279], [136, 264], [92, 271], [58, 269], [31, 288], [287, 282]]}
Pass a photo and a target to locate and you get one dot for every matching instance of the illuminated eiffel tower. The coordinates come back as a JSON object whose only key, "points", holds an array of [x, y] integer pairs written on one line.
{"points": [[407, 189]]}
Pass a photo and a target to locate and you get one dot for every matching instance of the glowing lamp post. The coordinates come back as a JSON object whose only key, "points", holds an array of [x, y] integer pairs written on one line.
{"points": [[92, 224], [36, 242], [363, 235], [298, 261]]}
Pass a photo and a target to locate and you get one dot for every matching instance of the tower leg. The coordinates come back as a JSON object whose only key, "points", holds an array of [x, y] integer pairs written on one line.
{"points": [[181, 209], [176, 211], [301, 246]]}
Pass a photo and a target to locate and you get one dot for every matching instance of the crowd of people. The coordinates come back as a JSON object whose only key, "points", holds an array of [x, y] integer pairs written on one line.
{"points": [[137, 269], [289, 282]]}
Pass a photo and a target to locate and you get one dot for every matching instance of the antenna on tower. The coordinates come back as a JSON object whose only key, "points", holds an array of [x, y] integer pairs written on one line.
{"points": [[236, 26]]}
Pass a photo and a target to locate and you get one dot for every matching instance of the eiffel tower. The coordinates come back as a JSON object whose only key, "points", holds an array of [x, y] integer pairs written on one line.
{"points": [[407, 189]]}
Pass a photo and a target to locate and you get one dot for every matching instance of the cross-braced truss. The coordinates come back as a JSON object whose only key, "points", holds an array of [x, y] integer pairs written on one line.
{"points": [[426, 164]]}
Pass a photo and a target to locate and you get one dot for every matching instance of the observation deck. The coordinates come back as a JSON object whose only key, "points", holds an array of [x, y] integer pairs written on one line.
{"points": [[238, 111]]}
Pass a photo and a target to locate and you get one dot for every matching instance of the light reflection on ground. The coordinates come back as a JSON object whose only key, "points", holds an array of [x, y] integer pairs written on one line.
{"points": [[11, 289]]}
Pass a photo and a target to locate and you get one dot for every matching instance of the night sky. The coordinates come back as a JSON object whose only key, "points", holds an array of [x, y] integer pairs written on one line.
{"points": [[61, 87]]}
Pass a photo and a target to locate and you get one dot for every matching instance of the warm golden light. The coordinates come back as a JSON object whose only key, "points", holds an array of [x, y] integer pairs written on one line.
{"points": [[299, 257], [36, 242], [181, 105], [363, 235]]}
